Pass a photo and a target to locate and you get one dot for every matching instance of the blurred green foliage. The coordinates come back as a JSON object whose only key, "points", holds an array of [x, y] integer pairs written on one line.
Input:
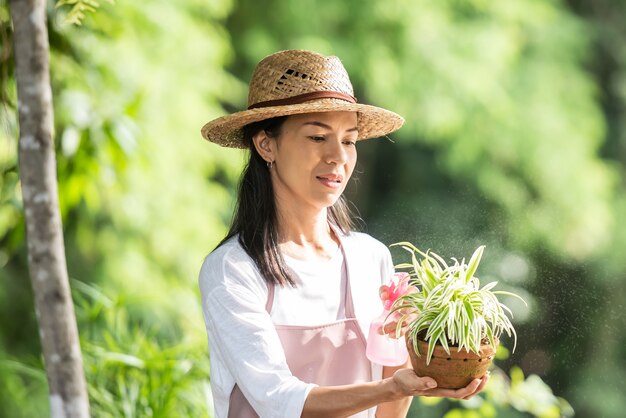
{"points": [[136, 370], [515, 138]]}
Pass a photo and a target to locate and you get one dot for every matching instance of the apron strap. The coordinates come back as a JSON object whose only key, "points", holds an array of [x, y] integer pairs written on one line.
{"points": [[270, 297], [349, 304]]}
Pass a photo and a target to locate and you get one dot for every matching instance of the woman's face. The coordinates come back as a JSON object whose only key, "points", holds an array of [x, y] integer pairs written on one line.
{"points": [[314, 157]]}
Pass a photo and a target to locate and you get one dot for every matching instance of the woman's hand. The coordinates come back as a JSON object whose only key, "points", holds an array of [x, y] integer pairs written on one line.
{"points": [[408, 383]]}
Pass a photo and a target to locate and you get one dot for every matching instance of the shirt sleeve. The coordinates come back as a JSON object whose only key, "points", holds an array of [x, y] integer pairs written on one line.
{"points": [[233, 301]]}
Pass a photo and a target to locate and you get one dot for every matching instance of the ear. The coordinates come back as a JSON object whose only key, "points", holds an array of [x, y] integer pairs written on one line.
{"points": [[264, 145]]}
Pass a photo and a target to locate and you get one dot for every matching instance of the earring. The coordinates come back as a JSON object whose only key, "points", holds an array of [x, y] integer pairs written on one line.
{"points": [[270, 164]]}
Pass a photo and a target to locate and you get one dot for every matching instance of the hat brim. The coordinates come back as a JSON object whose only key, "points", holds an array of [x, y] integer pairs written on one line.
{"points": [[372, 121]]}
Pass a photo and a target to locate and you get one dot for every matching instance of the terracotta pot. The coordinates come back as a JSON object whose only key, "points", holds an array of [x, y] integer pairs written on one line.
{"points": [[455, 370]]}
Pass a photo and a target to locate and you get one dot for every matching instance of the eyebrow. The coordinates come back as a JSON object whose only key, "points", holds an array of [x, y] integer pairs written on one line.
{"points": [[325, 126]]}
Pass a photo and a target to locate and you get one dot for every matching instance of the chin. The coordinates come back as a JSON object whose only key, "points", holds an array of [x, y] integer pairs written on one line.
{"points": [[326, 200], [330, 202]]}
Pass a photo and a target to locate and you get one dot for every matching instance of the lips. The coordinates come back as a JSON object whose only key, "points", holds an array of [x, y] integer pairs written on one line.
{"points": [[330, 180]]}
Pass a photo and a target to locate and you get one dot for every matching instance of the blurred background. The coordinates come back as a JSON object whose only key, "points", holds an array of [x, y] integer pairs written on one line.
{"points": [[515, 138]]}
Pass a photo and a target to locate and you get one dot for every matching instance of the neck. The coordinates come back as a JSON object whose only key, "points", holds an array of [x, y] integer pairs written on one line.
{"points": [[305, 233]]}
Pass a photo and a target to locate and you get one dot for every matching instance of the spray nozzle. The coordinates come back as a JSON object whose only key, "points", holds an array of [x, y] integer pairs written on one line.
{"points": [[398, 286]]}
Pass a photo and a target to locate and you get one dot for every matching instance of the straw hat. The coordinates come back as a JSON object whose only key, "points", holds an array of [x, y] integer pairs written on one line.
{"points": [[294, 82]]}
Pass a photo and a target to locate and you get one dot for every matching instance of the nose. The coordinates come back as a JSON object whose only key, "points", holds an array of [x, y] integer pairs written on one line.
{"points": [[336, 153]]}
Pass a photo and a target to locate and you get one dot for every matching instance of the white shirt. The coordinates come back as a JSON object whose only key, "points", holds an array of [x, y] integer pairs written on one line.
{"points": [[319, 295], [244, 346]]}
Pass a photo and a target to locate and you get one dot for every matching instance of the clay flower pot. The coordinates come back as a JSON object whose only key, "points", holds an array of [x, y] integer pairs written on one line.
{"points": [[451, 371]]}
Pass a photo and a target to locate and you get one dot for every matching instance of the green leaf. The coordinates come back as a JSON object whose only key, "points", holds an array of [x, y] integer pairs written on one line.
{"points": [[432, 343], [502, 292], [473, 263]]}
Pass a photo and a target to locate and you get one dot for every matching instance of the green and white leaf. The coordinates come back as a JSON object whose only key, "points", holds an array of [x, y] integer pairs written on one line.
{"points": [[450, 306]]}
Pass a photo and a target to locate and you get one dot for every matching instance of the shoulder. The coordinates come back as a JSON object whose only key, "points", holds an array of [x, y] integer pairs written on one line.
{"points": [[367, 244], [229, 266], [371, 254]]}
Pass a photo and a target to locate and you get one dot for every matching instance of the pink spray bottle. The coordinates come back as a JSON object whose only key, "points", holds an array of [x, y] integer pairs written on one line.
{"points": [[384, 348]]}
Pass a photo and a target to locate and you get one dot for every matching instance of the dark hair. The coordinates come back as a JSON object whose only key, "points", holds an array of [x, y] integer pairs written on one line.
{"points": [[255, 218]]}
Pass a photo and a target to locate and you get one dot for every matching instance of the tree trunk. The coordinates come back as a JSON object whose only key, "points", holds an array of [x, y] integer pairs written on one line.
{"points": [[44, 234]]}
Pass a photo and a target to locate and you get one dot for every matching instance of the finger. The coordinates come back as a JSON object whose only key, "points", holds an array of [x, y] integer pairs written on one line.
{"points": [[413, 382], [455, 393], [383, 292], [408, 315], [424, 384], [468, 390], [389, 329], [481, 386]]}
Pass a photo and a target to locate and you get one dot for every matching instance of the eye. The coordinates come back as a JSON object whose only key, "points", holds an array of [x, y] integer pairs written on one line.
{"points": [[351, 142], [317, 138]]}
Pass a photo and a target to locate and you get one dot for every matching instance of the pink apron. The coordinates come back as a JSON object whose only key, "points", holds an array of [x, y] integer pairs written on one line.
{"points": [[327, 355]]}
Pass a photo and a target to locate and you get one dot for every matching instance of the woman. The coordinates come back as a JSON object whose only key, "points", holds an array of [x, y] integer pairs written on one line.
{"points": [[289, 294]]}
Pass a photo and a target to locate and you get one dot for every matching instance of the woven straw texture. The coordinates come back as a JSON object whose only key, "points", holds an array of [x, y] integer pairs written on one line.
{"points": [[292, 73]]}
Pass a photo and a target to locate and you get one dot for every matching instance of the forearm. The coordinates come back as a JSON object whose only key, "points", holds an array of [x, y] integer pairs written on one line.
{"points": [[399, 407], [343, 401]]}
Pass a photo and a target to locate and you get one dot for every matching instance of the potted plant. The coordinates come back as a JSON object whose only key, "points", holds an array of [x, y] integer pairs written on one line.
{"points": [[454, 325]]}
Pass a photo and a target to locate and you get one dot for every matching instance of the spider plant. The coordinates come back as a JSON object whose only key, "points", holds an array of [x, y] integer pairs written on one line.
{"points": [[449, 307]]}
